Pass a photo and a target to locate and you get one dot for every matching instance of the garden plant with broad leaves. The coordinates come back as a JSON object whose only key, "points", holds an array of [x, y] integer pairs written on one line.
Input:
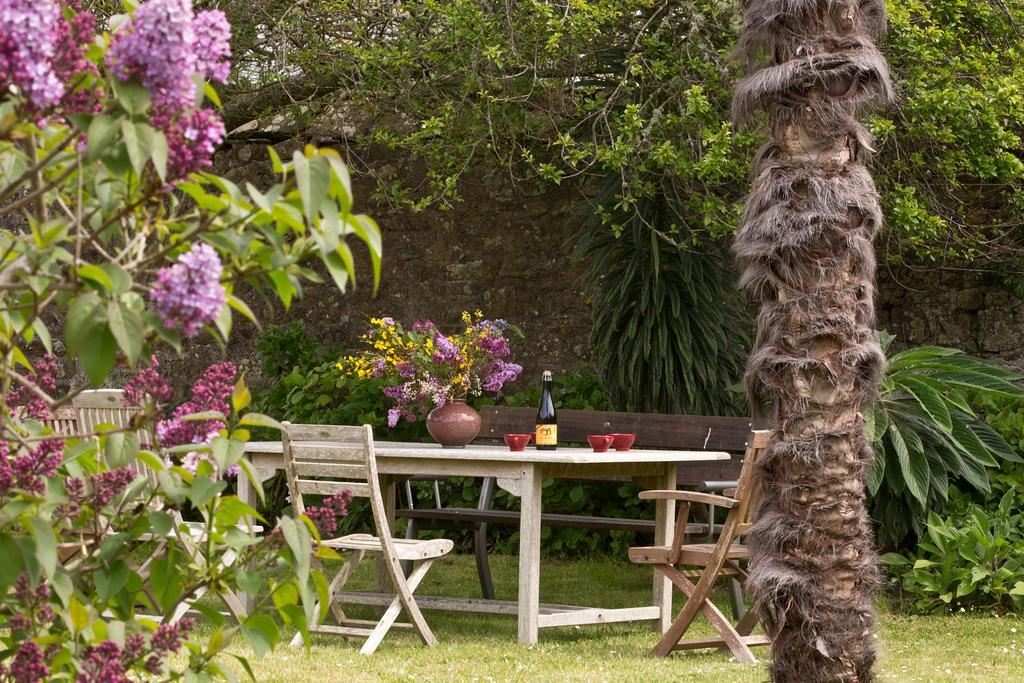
{"points": [[113, 228]]}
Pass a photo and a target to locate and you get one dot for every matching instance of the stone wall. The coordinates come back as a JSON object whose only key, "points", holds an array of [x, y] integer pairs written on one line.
{"points": [[505, 249], [958, 309]]}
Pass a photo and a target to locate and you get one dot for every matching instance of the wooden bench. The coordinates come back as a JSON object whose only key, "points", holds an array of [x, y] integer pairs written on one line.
{"points": [[682, 432]]}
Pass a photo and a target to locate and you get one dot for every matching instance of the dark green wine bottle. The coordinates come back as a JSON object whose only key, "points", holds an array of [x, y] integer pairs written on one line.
{"points": [[547, 422]]}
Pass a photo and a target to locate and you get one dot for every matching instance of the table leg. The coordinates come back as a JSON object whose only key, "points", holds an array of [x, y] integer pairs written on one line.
{"points": [[388, 489], [245, 494], [529, 554], [664, 521]]}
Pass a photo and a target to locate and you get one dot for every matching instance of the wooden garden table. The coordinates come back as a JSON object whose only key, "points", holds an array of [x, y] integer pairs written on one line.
{"points": [[521, 474]]}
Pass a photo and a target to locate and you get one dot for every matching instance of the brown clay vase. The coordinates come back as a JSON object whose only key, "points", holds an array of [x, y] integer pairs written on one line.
{"points": [[454, 424]]}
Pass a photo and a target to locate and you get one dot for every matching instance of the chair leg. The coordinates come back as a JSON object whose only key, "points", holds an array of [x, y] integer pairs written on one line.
{"points": [[697, 598], [483, 565], [337, 583], [403, 598]]}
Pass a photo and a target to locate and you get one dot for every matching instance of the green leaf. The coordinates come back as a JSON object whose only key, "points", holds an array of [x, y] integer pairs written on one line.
{"points": [[127, 328], [11, 566], [240, 396], [79, 321], [261, 632], [111, 580], [79, 614], [46, 544], [930, 400], [97, 275], [260, 420], [914, 469], [101, 132], [313, 175], [133, 145], [98, 352]]}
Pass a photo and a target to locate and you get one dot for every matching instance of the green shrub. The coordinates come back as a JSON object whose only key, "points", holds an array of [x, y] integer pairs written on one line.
{"points": [[927, 435], [972, 558]]}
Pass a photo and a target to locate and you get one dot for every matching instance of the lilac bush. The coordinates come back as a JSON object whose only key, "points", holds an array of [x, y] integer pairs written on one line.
{"points": [[118, 245]]}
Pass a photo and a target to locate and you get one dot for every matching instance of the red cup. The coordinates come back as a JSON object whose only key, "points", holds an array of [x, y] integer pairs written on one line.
{"points": [[622, 442], [600, 442], [517, 442]]}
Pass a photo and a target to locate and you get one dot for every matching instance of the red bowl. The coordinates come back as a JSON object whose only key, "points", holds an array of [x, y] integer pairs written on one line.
{"points": [[600, 442], [517, 442], [622, 442]]}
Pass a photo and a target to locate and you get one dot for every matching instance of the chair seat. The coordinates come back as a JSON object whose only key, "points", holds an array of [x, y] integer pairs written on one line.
{"points": [[405, 548], [695, 554]]}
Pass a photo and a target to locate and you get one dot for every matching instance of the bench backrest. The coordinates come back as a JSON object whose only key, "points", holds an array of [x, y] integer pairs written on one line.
{"points": [[684, 432]]}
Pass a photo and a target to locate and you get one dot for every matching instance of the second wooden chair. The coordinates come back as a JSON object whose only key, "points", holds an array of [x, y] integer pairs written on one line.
{"points": [[327, 460], [714, 559]]}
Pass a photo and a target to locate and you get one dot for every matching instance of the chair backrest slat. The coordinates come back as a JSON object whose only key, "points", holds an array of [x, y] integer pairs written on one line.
{"points": [[327, 487], [329, 452], [338, 435], [322, 468]]}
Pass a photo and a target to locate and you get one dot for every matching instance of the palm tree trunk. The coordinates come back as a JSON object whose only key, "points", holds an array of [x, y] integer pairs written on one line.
{"points": [[805, 248]]}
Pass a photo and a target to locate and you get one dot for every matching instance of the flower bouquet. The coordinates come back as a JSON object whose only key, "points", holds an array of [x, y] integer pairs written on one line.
{"points": [[432, 370]]}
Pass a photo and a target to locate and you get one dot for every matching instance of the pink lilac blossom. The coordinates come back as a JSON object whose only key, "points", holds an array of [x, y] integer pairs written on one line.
{"points": [[498, 373], [107, 485], [45, 378], [209, 393], [28, 42], [168, 637], [165, 46], [28, 471], [28, 665], [158, 48], [70, 64], [325, 517], [147, 385], [102, 664], [192, 140], [188, 294]]}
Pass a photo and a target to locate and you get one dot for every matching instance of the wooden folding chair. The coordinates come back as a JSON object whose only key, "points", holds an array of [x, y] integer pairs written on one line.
{"points": [[717, 559], [100, 407], [342, 459]]}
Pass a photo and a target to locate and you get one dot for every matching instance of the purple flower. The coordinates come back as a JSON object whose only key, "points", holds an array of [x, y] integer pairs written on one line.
{"points": [[213, 44], [107, 485], [498, 373], [192, 140], [167, 638], [189, 294], [102, 664], [393, 415], [325, 517], [28, 42], [165, 45], [447, 352], [148, 383], [28, 665]]}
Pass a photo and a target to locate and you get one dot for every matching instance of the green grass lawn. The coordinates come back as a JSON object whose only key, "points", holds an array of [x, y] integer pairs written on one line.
{"points": [[483, 647]]}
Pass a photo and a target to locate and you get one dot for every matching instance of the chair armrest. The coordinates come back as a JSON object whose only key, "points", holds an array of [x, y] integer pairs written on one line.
{"points": [[689, 497]]}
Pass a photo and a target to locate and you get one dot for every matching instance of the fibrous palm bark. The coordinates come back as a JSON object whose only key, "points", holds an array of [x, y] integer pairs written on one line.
{"points": [[805, 248]]}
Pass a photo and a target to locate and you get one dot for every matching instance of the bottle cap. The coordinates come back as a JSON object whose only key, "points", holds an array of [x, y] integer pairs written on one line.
{"points": [[547, 374]]}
